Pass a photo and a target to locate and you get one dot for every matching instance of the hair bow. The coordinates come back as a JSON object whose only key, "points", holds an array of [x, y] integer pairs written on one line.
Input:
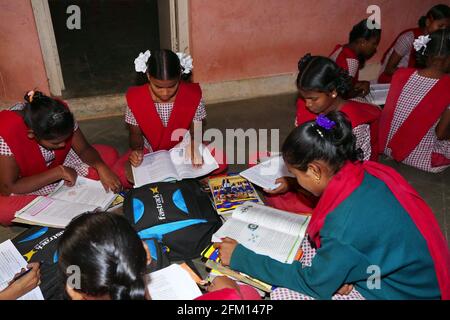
{"points": [[421, 43]]}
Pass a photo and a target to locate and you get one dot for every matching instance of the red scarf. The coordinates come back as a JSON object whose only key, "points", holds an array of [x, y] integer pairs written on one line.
{"points": [[350, 177], [143, 107], [26, 151], [421, 119], [385, 78], [341, 59], [358, 114]]}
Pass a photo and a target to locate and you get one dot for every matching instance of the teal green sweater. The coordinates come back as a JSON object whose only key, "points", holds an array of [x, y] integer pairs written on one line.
{"points": [[369, 228]]}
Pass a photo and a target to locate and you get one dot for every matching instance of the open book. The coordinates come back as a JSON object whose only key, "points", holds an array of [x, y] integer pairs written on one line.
{"points": [[172, 283], [171, 165], [11, 264], [265, 230], [65, 203], [267, 172]]}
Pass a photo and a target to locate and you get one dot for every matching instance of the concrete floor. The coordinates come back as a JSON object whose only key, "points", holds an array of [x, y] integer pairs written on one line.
{"points": [[268, 113]]}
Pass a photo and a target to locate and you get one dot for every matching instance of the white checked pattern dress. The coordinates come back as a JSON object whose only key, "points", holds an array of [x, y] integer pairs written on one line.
{"points": [[306, 260], [403, 48], [412, 94], [72, 160], [164, 111]]}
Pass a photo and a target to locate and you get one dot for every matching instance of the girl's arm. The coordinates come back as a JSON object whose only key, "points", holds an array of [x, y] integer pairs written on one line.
{"points": [[90, 156], [334, 265], [10, 182], [443, 127], [136, 138], [392, 63], [196, 158]]}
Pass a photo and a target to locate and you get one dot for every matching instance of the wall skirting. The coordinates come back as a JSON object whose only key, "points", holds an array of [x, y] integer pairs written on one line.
{"points": [[114, 104]]}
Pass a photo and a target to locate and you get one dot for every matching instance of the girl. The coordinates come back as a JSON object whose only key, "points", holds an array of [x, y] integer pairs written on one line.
{"points": [[322, 87], [157, 109], [363, 42], [401, 53], [41, 144], [368, 220], [410, 131], [113, 262]]}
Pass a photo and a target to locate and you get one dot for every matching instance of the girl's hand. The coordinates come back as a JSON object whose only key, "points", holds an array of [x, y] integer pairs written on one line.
{"points": [[109, 179], [27, 283], [362, 88], [226, 248], [69, 176], [193, 155], [283, 188], [345, 289], [222, 282], [147, 252], [136, 158]]}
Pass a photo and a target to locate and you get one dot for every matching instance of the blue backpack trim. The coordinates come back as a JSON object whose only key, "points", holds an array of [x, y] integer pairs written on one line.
{"points": [[159, 231], [179, 201], [138, 210], [35, 235]]}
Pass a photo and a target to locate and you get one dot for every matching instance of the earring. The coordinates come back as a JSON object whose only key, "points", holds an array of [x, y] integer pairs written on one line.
{"points": [[317, 180], [334, 95]]}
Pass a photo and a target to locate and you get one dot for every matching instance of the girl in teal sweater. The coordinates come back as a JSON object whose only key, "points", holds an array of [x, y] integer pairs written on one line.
{"points": [[370, 228]]}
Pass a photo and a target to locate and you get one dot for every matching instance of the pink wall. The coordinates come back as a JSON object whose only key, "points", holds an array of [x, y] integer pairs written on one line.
{"points": [[241, 39], [21, 64]]}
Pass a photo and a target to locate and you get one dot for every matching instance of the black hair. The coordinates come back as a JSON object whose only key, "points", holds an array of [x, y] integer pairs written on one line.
{"points": [[322, 74], [363, 31], [48, 118], [309, 142], [109, 253], [438, 12], [439, 45], [165, 65]]}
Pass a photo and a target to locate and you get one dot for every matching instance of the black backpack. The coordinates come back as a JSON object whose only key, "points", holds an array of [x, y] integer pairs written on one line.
{"points": [[179, 215]]}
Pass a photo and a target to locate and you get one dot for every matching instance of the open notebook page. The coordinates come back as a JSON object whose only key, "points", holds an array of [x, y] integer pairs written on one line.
{"points": [[267, 172], [156, 166], [85, 191], [11, 264], [172, 283], [184, 165]]}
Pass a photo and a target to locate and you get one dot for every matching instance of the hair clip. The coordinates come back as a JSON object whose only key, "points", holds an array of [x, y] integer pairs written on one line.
{"points": [[421, 43], [319, 132], [185, 62], [140, 63], [324, 122], [30, 95]]}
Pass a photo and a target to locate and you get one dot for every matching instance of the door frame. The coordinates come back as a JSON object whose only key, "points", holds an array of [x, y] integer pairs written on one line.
{"points": [[174, 34]]}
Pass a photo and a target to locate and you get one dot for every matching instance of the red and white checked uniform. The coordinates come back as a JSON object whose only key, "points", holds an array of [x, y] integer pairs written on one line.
{"points": [[353, 64], [412, 94], [72, 160], [164, 111], [307, 260]]}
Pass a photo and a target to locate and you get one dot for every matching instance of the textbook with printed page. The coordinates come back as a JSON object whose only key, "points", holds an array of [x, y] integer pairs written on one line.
{"points": [[230, 192], [267, 172], [65, 203], [265, 230], [378, 93], [171, 165]]}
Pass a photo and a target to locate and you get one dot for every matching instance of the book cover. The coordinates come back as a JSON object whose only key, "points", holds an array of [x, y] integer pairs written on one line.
{"points": [[231, 191]]}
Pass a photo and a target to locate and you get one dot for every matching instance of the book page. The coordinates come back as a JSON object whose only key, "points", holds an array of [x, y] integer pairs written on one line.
{"points": [[271, 218], [378, 93], [12, 263], [85, 191], [185, 168], [266, 173], [51, 212], [172, 283], [277, 245], [156, 166]]}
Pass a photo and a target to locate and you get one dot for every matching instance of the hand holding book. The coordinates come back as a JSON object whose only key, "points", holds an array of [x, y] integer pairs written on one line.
{"points": [[226, 248]]}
